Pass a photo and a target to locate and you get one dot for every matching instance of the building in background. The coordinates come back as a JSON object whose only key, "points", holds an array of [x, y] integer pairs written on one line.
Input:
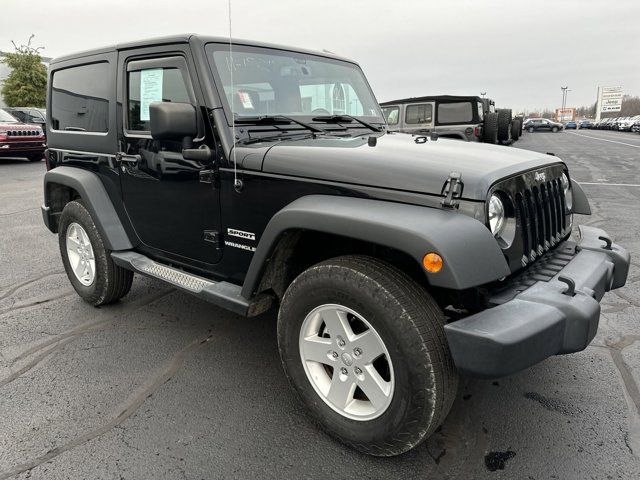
{"points": [[5, 71]]}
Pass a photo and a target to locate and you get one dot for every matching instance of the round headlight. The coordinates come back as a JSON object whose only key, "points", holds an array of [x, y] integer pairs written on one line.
{"points": [[496, 215], [568, 194]]}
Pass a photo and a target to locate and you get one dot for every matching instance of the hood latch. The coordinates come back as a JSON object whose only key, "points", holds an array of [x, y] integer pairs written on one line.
{"points": [[452, 190]]}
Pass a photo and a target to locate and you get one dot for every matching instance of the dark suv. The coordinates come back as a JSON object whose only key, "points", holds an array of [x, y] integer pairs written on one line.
{"points": [[253, 176], [543, 125]]}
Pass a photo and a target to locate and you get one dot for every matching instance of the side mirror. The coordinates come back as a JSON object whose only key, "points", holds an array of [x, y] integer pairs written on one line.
{"points": [[172, 121]]}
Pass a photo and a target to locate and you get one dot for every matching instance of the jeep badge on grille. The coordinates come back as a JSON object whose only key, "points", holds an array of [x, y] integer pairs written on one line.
{"points": [[540, 176]]}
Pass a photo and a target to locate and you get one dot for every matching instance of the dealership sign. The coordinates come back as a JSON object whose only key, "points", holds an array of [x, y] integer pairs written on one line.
{"points": [[610, 99]]}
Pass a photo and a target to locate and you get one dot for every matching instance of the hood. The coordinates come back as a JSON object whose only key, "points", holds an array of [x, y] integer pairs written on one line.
{"points": [[398, 162]]}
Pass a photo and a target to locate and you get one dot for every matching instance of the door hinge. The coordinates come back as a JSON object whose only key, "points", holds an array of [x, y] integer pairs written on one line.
{"points": [[213, 236], [207, 176], [452, 190]]}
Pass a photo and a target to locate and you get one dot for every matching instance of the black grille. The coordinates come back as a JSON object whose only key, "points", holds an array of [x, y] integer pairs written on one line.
{"points": [[23, 133], [541, 221]]}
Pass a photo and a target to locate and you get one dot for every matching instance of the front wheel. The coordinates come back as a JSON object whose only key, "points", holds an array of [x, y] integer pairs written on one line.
{"points": [[363, 345], [92, 272], [531, 130], [554, 129]]}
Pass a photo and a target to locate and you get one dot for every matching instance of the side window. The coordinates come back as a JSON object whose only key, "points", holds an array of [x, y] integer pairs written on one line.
{"points": [[35, 116], [420, 113], [391, 115], [156, 84], [80, 98], [459, 112]]}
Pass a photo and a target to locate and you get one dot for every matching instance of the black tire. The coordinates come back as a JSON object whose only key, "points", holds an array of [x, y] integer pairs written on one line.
{"points": [[531, 130], [504, 124], [35, 157], [111, 281], [554, 129], [490, 128], [410, 324], [516, 128]]}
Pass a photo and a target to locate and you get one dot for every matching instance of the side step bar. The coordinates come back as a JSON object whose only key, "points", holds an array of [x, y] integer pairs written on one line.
{"points": [[223, 294]]}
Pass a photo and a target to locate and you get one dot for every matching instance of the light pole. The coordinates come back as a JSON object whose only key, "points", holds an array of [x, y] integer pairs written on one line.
{"points": [[564, 99]]}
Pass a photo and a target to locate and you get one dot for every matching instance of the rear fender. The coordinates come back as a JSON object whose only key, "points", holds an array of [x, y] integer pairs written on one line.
{"points": [[94, 198]]}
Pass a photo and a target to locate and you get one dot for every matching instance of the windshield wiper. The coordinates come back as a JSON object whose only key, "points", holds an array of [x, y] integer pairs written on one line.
{"points": [[345, 119], [276, 120]]}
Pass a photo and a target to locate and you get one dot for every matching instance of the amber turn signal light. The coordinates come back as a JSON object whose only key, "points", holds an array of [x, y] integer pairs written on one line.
{"points": [[432, 262]]}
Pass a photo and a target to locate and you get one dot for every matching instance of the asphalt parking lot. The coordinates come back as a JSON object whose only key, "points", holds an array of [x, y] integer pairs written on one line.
{"points": [[162, 385]]}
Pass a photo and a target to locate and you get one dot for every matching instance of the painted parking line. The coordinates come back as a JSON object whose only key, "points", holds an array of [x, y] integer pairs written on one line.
{"points": [[604, 139], [611, 184]]}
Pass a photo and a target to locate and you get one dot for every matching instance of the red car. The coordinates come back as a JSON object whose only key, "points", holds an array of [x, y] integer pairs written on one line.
{"points": [[19, 139]]}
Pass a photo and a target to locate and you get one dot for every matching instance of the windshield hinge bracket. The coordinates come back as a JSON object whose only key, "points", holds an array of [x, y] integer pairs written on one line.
{"points": [[452, 190]]}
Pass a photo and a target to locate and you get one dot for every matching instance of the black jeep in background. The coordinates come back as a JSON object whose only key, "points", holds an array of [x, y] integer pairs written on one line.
{"points": [[266, 177]]}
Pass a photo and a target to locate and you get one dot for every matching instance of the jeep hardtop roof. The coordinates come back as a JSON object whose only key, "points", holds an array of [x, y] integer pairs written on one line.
{"points": [[188, 38], [442, 98]]}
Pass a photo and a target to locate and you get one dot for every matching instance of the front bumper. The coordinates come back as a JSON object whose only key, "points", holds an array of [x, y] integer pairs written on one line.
{"points": [[17, 149], [544, 319]]}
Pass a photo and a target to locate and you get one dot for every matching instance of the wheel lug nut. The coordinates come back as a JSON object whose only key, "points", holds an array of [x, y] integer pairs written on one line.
{"points": [[334, 354], [358, 371], [343, 371], [357, 352], [341, 343]]}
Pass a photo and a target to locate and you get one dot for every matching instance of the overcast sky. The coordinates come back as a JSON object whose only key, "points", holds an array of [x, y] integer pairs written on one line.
{"points": [[519, 52]]}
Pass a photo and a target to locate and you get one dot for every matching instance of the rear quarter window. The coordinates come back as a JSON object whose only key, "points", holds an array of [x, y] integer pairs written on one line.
{"points": [[80, 98], [458, 112]]}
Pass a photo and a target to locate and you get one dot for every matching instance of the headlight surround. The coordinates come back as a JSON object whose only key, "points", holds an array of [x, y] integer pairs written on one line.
{"points": [[496, 214], [568, 194]]}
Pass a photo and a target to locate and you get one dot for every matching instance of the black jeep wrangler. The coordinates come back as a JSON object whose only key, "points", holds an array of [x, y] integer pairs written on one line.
{"points": [[252, 175]]}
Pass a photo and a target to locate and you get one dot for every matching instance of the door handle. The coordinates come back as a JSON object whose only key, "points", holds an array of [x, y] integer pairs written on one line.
{"points": [[124, 158]]}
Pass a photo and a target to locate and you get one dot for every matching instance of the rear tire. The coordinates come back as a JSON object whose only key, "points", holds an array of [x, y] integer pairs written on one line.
{"points": [[531, 130], [490, 128], [409, 325], [98, 280], [554, 129], [504, 124]]}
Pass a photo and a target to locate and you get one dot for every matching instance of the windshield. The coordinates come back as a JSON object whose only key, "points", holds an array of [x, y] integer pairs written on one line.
{"points": [[7, 118], [274, 82]]}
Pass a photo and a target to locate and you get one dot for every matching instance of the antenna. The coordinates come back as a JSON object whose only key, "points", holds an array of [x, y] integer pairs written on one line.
{"points": [[236, 183]]}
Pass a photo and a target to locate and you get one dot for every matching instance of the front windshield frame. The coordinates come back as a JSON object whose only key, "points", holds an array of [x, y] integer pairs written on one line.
{"points": [[213, 47], [6, 117]]}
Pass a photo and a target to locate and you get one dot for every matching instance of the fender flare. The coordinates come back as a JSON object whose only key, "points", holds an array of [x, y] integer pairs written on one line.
{"points": [[580, 200], [471, 254], [95, 199]]}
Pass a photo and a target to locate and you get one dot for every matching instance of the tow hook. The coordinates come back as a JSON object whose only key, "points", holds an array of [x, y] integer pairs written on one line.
{"points": [[571, 286], [607, 241]]}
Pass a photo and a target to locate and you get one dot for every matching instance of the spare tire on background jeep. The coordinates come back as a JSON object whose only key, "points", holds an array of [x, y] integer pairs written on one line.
{"points": [[504, 124], [490, 128], [516, 128]]}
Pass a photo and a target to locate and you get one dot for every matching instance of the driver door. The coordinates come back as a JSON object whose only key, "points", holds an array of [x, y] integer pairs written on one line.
{"points": [[172, 203]]}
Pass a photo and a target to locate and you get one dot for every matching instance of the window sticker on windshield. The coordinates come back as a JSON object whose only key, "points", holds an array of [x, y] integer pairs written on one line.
{"points": [[245, 100], [150, 90]]}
